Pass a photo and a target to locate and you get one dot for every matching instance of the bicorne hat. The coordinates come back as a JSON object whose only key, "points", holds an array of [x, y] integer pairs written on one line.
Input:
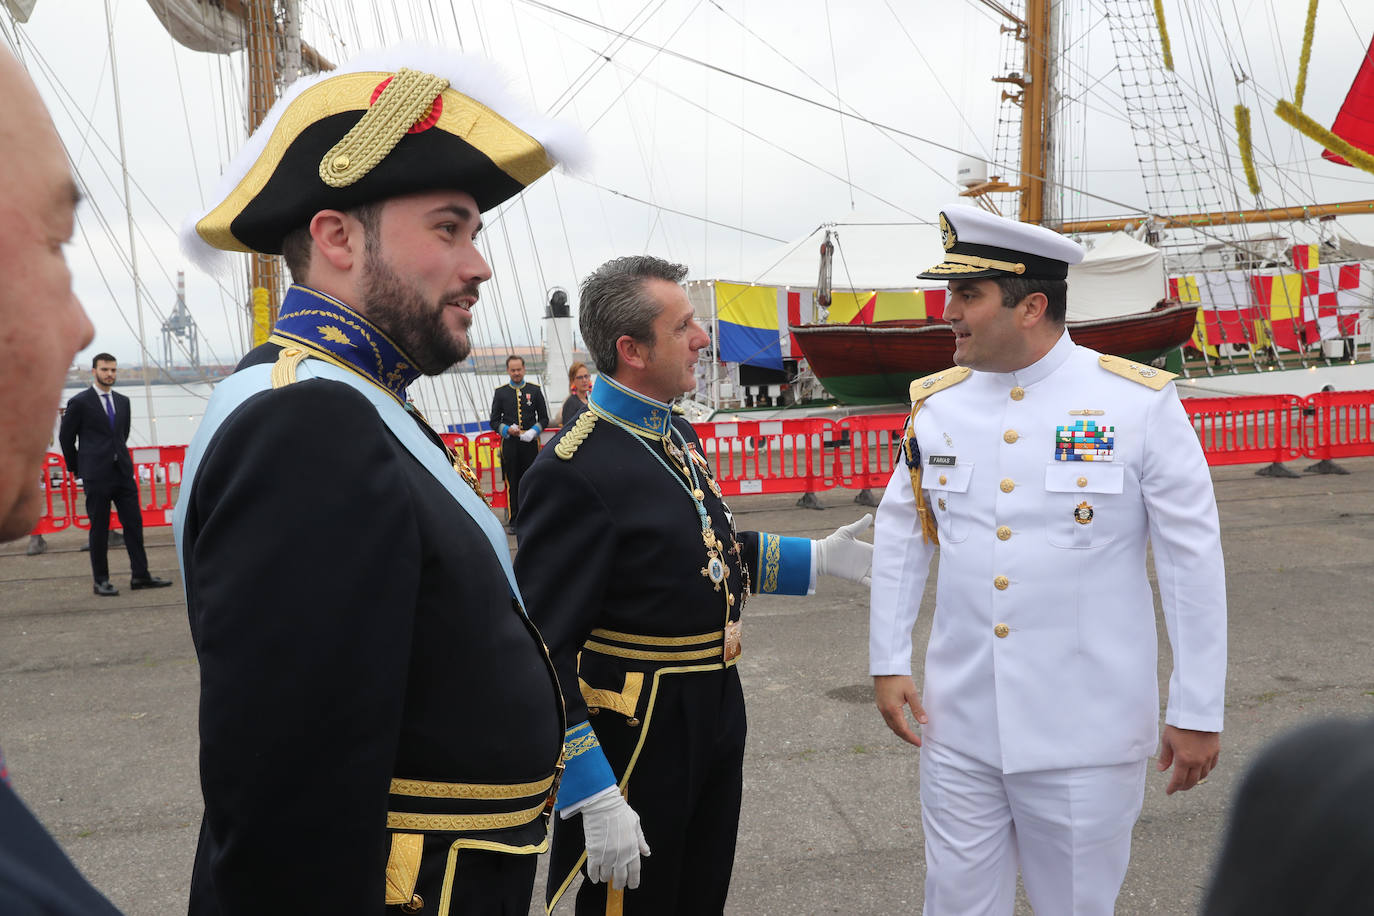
{"points": [[388, 123]]}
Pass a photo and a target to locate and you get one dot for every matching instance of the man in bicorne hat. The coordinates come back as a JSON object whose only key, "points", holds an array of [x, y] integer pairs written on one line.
{"points": [[1042, 470], [380, 724]]}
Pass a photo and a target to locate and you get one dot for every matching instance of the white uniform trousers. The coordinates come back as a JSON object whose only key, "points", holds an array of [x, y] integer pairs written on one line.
{"points": [[1068, 830]]}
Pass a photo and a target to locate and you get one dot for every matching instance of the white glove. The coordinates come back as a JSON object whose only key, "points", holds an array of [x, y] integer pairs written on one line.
{"points": [[528, 435], [614, 840], [842, 554]]}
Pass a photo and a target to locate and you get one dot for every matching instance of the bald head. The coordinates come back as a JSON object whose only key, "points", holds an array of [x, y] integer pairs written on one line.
{"points": [[42, 325]]}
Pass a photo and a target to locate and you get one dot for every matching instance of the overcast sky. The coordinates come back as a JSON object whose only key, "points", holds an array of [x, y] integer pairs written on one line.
{"points": [[695, 164]]}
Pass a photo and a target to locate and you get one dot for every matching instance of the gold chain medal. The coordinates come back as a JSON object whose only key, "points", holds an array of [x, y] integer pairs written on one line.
{"points": [[716, 568], [455, 457], [700, 462]]}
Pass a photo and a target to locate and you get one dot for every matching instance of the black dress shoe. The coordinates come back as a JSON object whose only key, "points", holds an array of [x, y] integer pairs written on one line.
{"points": [[149, 582], [105, 588]]}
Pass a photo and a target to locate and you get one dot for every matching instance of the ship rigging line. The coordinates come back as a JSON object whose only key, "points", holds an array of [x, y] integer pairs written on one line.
{"points": [[835, 70], [68, 104], [1134, 208], [783, 149], [667, 209]]}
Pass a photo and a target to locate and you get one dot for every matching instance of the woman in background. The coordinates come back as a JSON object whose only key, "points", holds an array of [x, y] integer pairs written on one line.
{"points": [[580, 382]]}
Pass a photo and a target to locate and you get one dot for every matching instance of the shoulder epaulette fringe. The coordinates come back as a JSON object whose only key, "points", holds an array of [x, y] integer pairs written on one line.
{"points": [[572, 439], [938, 381], [1148, 376], [284, 369]]}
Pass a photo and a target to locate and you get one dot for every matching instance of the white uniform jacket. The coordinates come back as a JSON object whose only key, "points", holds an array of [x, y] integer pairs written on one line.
{"points": [[1043, 651]]}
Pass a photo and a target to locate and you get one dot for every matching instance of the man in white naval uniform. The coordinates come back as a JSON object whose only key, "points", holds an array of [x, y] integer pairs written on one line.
{"points": [[1042, 469]]}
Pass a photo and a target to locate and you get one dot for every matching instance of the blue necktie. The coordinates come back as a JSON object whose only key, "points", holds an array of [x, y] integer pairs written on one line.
{"points": [[109, 408]]}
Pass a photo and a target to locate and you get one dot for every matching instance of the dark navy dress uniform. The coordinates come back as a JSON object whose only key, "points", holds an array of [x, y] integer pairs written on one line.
{"points": [[379, 720], [523, 406], [642, 624]]}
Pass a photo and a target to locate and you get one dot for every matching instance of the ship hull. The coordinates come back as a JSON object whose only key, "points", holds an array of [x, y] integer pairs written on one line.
{"points": [[875, 364]]}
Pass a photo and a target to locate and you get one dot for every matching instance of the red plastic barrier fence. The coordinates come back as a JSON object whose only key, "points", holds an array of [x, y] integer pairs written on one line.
{"points": [[157, 471], [1337, 424], [483, 453], [60, 506], [1247, 430], [811, 455], [869, 447], [775, 456]]}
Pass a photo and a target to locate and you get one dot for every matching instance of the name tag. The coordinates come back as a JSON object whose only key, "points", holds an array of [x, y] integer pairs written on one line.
{"points": [[947, 461]]}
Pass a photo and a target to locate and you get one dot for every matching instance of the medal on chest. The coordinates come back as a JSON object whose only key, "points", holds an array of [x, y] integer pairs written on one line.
{"points": [[716, 569]]}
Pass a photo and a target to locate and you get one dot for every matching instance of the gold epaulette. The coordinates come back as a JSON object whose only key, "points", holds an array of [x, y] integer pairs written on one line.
{"points": [[572, 439], [284, 369], [1148, 376], [938, 381]]}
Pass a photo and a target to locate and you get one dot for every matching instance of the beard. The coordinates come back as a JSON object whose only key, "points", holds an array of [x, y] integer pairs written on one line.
{"points": [[408, 318]]}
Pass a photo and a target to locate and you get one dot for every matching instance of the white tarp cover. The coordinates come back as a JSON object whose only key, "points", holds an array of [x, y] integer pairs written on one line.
{"points": [[200, 25], [21, 10], [1119, 276]]}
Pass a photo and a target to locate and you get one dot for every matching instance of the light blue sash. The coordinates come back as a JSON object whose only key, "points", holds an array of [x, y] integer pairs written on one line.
{"points": [[239, 387]]}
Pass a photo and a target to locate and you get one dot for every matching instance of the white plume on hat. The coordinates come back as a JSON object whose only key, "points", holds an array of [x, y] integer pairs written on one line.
{"points": [[472, 75]]}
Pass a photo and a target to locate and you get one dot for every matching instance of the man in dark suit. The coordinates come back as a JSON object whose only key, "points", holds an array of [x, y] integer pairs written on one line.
{"points": [[95, 428], [518, 413], [45, 327]]}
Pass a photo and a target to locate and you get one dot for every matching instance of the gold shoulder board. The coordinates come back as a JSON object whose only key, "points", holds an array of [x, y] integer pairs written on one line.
{"points": [[923, 388], [1148, 376], [572, 439]]}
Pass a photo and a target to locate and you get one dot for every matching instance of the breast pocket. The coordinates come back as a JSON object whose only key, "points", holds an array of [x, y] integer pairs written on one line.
{"points": [[1082, 498], [947, 489]]}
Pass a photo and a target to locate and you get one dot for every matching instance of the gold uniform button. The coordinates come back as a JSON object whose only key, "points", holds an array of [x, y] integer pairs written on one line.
{"points": [[943, 480], [1010, 436], [1001, 631], [1008, 485], [1018, 393], [340, 163], [1001, 583], [1003, 533], [1082, 481]]}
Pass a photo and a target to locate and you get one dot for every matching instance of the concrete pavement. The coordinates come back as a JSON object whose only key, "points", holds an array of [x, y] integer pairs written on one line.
{"points": [[98, 709]]}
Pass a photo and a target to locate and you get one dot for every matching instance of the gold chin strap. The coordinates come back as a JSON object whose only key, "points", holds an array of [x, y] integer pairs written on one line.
{"points": [[930, 532], [407, 99]]}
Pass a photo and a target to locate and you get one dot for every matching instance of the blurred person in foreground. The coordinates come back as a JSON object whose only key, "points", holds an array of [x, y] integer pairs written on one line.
{"points": [[1042, 470], [380, 726], [638, 579], [44, 326], [1300, 836]]}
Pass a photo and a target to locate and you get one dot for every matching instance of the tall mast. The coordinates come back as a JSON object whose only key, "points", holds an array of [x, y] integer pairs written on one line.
{"points": [[264, 271], [1035, 127], [1034, 98]]}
